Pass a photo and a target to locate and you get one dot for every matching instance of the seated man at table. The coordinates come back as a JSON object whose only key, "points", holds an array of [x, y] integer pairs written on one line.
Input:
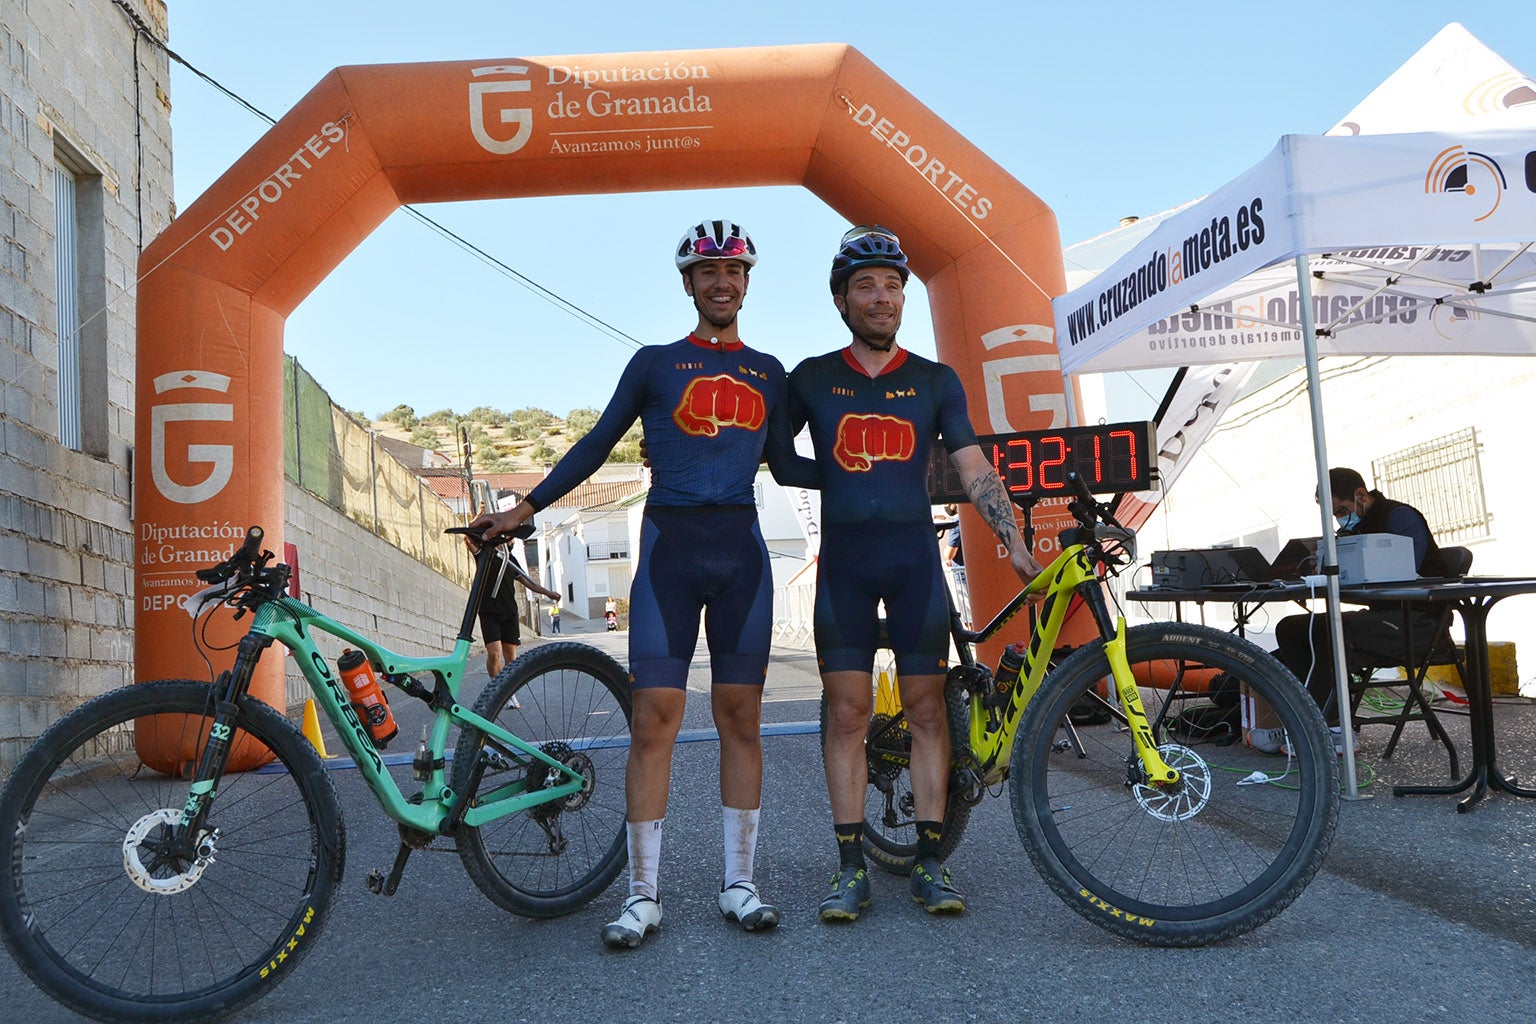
{"points": [[1370, 634]]}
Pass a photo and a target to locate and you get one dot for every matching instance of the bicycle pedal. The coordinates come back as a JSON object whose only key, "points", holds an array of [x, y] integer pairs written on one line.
{"points": [[388, 885]]}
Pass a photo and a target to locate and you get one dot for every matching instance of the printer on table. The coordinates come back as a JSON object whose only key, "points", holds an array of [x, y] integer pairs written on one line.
{"points": [[1375, 558]]}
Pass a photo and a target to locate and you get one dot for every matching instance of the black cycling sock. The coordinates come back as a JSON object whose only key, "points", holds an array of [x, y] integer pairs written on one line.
{"points": [[850, 844], [930, 836]]}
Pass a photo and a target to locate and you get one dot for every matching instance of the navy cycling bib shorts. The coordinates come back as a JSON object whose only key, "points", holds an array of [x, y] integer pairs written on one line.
{"points": [[864, 564], [702, 558]]}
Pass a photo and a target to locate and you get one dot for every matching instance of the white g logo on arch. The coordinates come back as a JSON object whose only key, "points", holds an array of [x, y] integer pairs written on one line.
{"points": [[521, 118], [220, 457], [1048, 399]]}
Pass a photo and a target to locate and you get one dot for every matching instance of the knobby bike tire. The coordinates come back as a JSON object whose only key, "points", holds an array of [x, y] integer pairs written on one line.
{"points": [[890, 822], [115, 940], [1214, 857], [554, 858]]}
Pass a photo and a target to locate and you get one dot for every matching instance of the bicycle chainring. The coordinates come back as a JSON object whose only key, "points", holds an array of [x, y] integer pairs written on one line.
{"points": [[415, 838]]}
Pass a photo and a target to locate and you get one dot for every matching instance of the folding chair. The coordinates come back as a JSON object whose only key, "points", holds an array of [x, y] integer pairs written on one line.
{"points": [[1414, 665]]}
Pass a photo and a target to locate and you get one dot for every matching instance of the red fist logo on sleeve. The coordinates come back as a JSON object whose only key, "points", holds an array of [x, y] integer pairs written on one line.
{"points": [[863, 440], [710, 403]]}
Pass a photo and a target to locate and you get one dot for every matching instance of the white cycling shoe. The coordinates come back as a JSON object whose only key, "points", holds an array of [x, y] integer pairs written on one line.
{"points": [[741, 902], [1267, 741], [641, 916]]}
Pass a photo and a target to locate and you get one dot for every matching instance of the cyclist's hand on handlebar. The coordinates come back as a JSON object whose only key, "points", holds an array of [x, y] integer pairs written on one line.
{"points": [[493, 524]]}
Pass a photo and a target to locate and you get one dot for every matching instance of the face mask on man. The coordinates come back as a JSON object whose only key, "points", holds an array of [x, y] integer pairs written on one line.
{"points": [[1349, 522]]}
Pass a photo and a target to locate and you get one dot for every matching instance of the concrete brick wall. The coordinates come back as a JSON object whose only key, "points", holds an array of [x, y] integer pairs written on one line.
{"points": [[362, 581], [78, 82], [67, 89]]}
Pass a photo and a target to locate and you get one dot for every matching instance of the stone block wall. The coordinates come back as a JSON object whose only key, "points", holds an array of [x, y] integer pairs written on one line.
{"points": [[82, 85]]}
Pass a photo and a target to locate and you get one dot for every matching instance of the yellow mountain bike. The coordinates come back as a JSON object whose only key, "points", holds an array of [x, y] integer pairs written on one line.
{"points": [[1162, 840]]}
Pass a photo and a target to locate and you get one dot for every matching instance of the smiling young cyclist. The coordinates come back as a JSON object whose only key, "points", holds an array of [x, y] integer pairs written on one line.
{"points": [[711, 409], [875, 411]]}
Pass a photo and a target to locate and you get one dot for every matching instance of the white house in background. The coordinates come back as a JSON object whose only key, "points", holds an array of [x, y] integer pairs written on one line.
{"points": [[588, 543], [776, 519], [583, 541]]}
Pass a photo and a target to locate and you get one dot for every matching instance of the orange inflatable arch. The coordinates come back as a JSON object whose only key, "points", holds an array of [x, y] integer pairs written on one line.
{"points": [[218, 284]]}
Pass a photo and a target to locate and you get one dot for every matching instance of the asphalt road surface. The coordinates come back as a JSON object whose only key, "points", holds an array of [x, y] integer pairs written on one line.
{"points": [[1419, 914]]}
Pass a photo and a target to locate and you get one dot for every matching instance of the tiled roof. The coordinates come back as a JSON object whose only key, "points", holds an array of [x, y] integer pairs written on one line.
{"points": [[444, 485], [521, 483], [599, 497]]}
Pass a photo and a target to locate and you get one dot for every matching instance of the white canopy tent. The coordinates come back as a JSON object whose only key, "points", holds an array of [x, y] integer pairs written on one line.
{"points": [[1383, 244]]}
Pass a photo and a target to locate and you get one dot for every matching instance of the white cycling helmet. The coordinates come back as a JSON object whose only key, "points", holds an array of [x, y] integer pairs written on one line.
{"points": [[715, 240]]}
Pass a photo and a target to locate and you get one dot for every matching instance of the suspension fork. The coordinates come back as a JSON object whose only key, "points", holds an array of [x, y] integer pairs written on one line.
{"points": [[226, 692], [1156, 770]]}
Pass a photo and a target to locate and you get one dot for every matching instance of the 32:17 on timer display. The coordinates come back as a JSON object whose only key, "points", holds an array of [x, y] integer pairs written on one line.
{"points": [[1110, 457]]}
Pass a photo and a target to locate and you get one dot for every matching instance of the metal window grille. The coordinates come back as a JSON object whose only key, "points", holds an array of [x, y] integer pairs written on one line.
{"points": [[1443, 479], [67, 281]]}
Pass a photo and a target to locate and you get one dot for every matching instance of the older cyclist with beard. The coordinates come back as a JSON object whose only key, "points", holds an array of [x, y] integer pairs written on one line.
{"points": [[711, 409], [875, 411]]}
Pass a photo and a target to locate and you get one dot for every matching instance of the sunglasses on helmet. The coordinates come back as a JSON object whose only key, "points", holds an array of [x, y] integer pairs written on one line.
{"points": [[732, 248], [864, 229]]}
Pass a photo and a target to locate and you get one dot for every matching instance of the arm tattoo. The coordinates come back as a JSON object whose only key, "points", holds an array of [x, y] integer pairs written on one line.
{"points": [[990, 499]]}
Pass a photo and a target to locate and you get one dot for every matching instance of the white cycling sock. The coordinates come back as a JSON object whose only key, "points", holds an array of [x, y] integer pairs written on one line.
{"points": [[644, 856], [740, 827]]}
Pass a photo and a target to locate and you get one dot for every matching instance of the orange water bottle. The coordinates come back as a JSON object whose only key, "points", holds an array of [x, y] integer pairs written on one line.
{"points": [[368, 698], [1009, 666]]}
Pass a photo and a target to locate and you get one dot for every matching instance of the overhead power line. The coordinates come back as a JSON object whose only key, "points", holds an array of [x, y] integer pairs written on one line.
{"points": [[553, 298]]}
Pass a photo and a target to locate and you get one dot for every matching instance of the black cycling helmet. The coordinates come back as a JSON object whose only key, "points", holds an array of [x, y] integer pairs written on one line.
{"points": [[867, 247]]}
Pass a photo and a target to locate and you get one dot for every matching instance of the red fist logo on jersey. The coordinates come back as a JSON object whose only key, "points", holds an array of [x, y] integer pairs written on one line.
{"points": [[863, 440], [710, 403]]}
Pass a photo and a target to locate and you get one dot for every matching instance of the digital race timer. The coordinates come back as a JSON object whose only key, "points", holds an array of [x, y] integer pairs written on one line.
{"points": [[1109, 457]]}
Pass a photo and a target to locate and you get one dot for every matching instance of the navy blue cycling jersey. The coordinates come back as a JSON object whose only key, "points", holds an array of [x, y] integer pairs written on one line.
{"points": [[873, 435], [710, 413]]}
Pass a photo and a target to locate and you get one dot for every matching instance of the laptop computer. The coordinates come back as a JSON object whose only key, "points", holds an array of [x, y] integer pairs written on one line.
{"points": [[1295, 560]]}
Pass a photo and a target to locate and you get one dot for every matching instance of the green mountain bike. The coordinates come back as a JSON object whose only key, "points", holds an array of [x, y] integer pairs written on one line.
{"points": [[1152, 836], [134, 894]]}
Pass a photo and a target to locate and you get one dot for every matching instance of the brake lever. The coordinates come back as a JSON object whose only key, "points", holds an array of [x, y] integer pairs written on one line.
{"points": [[220, 590]]}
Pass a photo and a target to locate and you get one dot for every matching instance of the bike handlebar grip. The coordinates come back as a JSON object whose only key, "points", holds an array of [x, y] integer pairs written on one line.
{"points": [[252, 546], [522, 532]]}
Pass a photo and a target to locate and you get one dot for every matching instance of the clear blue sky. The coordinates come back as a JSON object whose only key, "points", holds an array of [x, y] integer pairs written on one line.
{"points": [[1103, 109]]}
